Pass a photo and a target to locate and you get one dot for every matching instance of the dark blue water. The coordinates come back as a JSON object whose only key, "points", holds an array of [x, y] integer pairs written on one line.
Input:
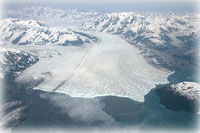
{"points": [[180, 76], [126, 112], [151, 114]]}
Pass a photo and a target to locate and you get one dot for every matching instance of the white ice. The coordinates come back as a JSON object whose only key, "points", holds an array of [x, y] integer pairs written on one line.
{"points": [[111, 67]]}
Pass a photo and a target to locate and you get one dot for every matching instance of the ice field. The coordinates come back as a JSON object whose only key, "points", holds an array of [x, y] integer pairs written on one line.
{"points": [[110, 67]]}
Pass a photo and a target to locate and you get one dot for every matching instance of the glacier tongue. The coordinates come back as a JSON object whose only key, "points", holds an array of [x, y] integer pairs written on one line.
{"points": [[112, 67]]}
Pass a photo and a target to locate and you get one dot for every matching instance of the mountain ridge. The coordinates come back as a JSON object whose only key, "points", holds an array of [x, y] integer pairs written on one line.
{"points": [[25, 32]]}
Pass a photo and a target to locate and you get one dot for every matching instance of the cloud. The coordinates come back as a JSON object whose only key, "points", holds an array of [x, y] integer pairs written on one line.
{"points": [[80, 109]]}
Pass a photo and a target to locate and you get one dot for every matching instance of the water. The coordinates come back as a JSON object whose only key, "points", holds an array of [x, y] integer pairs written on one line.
{"points": [[181, 76], [127, 113], [151, 114]]}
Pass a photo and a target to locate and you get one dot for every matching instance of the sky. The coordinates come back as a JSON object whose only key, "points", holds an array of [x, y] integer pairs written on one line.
{"points": [[109, 5], [101, 1]]}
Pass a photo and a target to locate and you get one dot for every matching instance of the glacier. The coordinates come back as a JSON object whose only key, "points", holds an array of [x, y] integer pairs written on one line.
{"points": [[167, 37], [110, 67]]}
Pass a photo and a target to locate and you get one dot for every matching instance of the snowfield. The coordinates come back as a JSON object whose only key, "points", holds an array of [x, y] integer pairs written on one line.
{"points": [[112, 67]]}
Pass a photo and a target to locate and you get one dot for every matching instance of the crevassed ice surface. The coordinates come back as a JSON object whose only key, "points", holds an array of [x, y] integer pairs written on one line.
{"points": [[112, 67]]}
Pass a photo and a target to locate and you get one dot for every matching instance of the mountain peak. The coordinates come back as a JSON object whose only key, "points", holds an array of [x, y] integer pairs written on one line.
{"points": [[15, 31]]}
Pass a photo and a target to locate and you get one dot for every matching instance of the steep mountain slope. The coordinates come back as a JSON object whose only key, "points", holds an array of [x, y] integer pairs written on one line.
{"points": [[13, 60], [160, 29], [24, 32], [181, 96], [166, 37], [12, 63]]}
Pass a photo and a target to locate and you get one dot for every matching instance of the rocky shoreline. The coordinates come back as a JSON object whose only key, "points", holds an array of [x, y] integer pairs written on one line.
{"points": [[183, 96]]}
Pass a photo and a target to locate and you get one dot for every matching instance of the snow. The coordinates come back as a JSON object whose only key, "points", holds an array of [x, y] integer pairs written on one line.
{"points": [[2, 51], [14, 60], [191, 90], [53, 16], [153, 25], [112, 67], [25, 32]]}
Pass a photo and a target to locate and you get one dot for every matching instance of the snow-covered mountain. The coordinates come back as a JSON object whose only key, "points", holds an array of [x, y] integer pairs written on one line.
{"points": [[160, 29], [25, 32], [162, 35], [13, 60], [12, 63], [45, 14], [190, 90], [181, 96]]}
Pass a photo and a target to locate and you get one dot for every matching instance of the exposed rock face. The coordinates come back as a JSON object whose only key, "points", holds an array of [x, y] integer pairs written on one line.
{"points": [[154, 30], [190, 90], [12, 62], [184, 96], [166, 40], [32, 32]]}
